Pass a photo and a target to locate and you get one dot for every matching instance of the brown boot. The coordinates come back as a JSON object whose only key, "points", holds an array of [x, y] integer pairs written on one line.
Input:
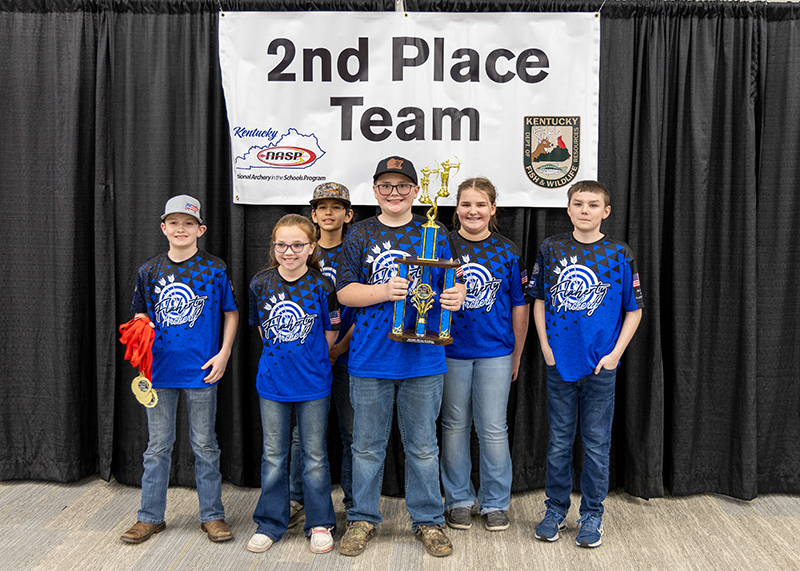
{"points": [[217, 530], [142, 531], [435, 541], [356, 537]]}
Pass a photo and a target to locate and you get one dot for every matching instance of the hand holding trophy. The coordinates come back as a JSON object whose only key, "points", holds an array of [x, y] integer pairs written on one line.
{"points": [[423, 296]]}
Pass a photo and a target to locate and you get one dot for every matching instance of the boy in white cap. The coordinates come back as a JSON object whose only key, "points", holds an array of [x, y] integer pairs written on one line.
{"points": [[185, 293]]}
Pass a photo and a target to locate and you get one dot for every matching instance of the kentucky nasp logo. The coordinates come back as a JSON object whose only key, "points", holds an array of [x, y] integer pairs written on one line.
{"points": [[551, 154], [291, 150]]}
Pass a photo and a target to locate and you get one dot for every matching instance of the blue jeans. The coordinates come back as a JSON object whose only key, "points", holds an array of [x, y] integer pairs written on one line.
{"points": [[476, 389], [202, 408], [272, 511], [418, 403], [340, 391], [592, 399]]}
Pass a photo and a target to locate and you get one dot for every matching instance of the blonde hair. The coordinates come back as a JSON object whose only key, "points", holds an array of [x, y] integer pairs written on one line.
{"points": [[480, 184], [306, 226]]}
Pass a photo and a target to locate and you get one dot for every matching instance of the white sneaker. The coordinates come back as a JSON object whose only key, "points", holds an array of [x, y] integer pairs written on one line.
{"points": [[321, 540], [259, 543]]}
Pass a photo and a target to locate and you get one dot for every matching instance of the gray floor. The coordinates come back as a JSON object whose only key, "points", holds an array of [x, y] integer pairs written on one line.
{"points": [[47, 526]]}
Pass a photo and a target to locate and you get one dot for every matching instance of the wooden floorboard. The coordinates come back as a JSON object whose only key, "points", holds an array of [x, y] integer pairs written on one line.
{"points": [[46, 526]]}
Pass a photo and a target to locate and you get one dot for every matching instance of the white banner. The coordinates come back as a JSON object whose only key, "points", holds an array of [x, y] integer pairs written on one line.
{"points": [[323, 96]]}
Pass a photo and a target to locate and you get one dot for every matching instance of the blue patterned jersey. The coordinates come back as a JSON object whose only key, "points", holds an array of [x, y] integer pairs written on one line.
{"points": [[329, 262], [293, 316], [185, 301], [586, 289], [495, 281], [368, 256]]}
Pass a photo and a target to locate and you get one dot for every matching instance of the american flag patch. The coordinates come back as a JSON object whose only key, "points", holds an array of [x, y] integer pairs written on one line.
{"points": [[459, 271], [636, 281], [336, 317], [190, 207], [523, 277]]}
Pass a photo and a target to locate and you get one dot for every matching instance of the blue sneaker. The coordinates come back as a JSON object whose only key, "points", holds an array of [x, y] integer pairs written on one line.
{"points": [[590, 530], [551, 524]]}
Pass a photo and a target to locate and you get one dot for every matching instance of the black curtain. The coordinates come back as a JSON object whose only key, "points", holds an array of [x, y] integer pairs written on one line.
{"points": [[110, 108]]}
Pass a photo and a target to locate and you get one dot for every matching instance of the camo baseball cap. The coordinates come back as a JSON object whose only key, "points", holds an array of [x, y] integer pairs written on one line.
{"points": [[183, 204], [331, 190]]}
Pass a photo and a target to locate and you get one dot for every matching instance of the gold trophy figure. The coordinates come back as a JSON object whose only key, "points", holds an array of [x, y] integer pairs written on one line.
{"points": [[425, 182], [444, 175], [424, 296]]}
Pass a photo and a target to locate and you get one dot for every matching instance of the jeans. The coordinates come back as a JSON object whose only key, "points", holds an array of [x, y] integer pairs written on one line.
{"points": [[202, 408], [418, 403], [340, 391], [476, 389], [592, 399], [272, 511]]}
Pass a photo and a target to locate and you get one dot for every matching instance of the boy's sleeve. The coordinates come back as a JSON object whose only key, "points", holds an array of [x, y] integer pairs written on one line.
{"points": [[349, 269], [632, 298], [139, 302], [536, 283], [228, 297]]}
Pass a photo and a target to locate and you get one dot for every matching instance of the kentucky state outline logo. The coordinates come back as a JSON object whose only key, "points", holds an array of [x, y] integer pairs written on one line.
{"points": [[287, 321], [177, 303], [481, 286], [552, 146], [384, 265], [291, 150], [577, 289]]}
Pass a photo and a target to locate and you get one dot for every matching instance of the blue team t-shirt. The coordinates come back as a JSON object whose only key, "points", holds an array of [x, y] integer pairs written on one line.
{"points": [[368, 256], [495, 281], [586, 288], [329, 262], [293, 316], [185, 300]]}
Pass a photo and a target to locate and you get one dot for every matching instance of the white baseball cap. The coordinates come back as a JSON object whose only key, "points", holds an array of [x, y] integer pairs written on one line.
{"points": [[183, 204]]}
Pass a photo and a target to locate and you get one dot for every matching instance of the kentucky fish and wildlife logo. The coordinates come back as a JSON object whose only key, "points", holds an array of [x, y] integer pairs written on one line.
{"points": [[577, 289], [551, 154], [287, 321]]}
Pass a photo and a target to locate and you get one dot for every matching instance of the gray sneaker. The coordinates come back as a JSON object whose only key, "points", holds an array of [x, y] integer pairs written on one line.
{"points": [[458, 518], [495, 521], [297, 513]]}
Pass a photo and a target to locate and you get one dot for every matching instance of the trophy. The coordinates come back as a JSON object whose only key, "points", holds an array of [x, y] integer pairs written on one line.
{"points": [[423, 296]]}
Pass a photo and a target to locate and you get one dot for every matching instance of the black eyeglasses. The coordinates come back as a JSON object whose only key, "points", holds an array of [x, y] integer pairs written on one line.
{"points": [[402, 189], [297, 247]]}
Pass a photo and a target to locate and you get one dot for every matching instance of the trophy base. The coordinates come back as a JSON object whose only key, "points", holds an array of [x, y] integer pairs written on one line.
{"points": [[430, 338]]}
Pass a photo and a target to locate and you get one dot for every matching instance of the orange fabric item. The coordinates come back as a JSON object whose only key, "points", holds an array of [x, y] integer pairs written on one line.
{"points": [[138, 336]]}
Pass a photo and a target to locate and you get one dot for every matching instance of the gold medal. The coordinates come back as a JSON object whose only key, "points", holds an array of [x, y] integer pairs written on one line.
{"points": [[143, 391]]}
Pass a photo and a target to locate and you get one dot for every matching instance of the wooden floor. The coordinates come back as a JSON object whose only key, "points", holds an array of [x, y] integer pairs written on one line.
{"points": [[46, 526]]}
